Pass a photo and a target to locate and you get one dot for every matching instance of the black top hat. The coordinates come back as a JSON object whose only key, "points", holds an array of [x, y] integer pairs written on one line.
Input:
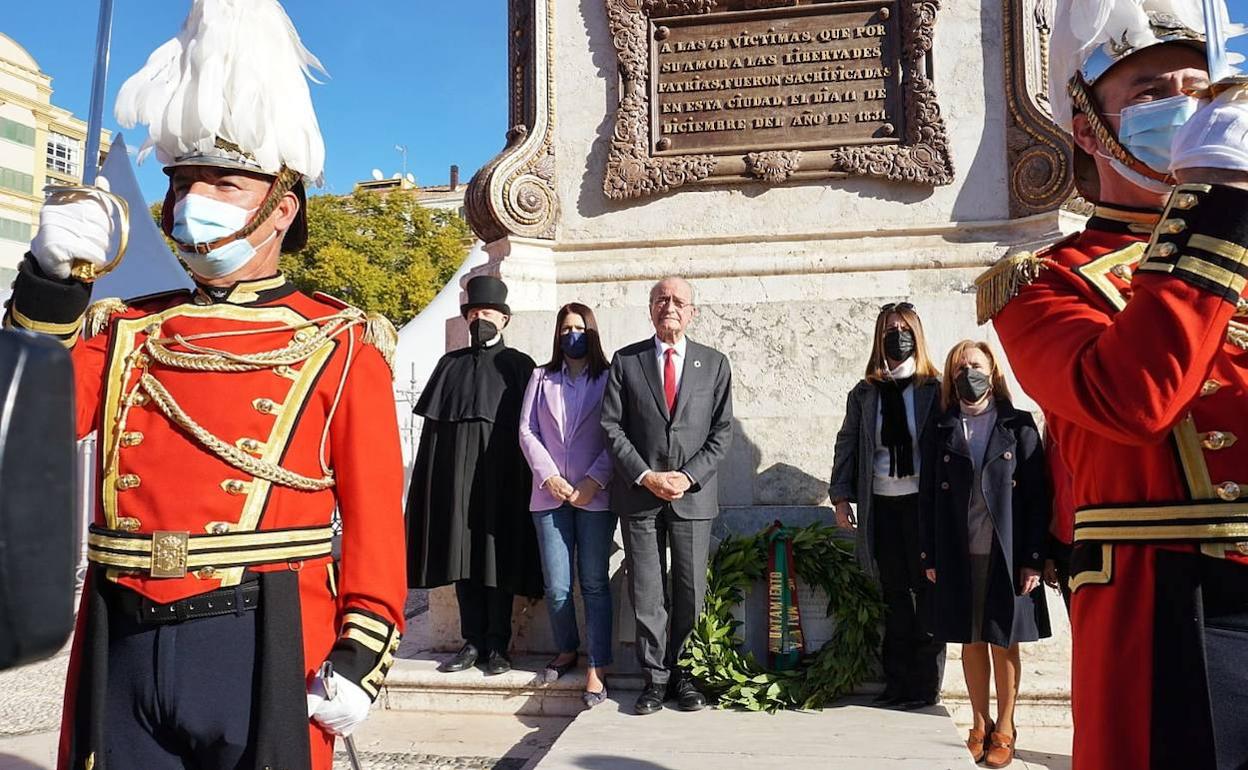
{"points": [[486, 291]]}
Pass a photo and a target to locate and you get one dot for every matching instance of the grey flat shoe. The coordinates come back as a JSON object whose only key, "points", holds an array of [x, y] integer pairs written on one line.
{"points": [[591, 699]]}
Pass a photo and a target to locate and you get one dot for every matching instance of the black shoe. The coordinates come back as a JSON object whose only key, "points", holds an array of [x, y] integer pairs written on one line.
{"points": [[916, 704], [885, 699], [464, 659], [687, 696], [497, 663], [651, 699]]}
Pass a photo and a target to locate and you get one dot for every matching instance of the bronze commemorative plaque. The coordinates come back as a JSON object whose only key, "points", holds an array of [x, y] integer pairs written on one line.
{"points": [[716, 91], [795, 78]]}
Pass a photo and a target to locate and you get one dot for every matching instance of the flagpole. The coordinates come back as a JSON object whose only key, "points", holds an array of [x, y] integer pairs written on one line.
{"points": [[99, 79]]}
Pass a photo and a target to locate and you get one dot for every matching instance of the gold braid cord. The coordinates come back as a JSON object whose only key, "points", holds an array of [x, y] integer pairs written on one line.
{"points": [[202, 359], [228, 452], [206, 359], [1237, 334]]}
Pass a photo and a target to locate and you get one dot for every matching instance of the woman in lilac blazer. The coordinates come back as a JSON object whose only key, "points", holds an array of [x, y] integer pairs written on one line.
{"points": [[562, 438]]}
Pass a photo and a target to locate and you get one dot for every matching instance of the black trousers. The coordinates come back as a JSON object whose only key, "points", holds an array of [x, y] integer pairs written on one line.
{"points": [[484, 616], [1200, 644], [913, 661], [180, 695], [665, 609]]}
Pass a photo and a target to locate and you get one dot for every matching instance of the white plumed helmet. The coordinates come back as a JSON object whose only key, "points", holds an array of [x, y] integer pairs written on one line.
{"points": [[230, 90], [1091, 36]]}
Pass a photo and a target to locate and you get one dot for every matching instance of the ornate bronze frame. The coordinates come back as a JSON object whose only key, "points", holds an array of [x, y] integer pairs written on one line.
{"points": [[921, 157]]}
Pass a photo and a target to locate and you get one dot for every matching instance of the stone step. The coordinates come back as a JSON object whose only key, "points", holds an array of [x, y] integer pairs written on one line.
{"points": [[417, 685]]}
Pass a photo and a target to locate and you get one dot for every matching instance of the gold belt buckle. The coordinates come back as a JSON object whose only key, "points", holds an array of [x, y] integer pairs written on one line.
{"points": [[169, 554]]}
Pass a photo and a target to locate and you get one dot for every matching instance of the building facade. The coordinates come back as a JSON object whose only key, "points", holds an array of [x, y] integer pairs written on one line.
{"points": [[40, 144]]}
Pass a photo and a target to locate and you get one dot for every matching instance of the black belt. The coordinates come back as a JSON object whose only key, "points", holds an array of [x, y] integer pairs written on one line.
{"points": [[223, 601]]}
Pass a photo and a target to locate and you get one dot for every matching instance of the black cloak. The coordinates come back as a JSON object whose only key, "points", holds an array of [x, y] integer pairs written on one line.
{"points": [[468, 503]]}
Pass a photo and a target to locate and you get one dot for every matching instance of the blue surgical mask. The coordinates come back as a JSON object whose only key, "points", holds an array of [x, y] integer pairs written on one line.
{"points": [[1148, 129], [574, 344], [199, 219]]}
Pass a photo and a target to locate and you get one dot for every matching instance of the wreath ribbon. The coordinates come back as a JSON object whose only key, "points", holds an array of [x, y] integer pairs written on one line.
{"points": [[785, 642]]}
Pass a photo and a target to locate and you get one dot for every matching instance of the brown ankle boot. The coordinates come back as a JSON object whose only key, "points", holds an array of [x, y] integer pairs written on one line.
{"points": [[1000, 749]]}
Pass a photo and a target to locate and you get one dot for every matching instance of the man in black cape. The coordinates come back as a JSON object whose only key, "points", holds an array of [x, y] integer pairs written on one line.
{"points": [[467, 507]]}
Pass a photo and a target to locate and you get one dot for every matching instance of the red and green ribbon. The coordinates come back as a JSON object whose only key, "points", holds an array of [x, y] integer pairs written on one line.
{"points": [[785, 643]]}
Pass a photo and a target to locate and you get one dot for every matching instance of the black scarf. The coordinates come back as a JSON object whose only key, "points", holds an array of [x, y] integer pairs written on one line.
{"points": [[895, 427]]}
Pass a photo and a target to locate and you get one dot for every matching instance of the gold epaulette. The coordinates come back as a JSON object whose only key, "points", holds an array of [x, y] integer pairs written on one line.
{"points": [[381, 334], [1001, 283], [99, 313], [378, 331]]}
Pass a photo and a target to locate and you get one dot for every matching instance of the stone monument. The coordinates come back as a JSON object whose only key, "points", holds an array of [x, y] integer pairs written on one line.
{"points": [[801, 162]]}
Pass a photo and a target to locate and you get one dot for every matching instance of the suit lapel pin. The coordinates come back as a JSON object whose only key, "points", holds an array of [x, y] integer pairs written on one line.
{"points": [[697, 364]]}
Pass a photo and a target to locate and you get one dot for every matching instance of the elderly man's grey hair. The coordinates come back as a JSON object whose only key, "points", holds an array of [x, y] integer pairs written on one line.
{"points": [[654, 290]]}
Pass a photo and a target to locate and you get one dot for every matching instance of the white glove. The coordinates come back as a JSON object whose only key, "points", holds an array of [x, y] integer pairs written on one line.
{"points": [[1216, 136], [344, 712], [73, 229]]}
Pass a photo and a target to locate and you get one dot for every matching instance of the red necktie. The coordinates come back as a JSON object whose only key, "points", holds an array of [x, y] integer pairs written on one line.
{"points": [[669, 379]]}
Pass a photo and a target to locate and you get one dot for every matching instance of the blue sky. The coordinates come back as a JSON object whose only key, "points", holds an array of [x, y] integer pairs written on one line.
{"points": [[427, 74]]}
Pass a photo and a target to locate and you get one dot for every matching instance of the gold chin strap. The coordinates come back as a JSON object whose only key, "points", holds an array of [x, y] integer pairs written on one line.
{"points": [[1081, 97], [282, 184]]}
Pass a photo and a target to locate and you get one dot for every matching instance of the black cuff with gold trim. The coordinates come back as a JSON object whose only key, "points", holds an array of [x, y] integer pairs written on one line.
{"points": [[1201, 239], [47, 305], [364, 652]]}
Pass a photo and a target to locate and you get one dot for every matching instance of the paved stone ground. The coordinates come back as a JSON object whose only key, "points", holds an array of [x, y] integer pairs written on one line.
{"points": [[609, 737]]}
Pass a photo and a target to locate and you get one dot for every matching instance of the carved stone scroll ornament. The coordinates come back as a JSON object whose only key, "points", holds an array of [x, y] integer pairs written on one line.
{"points": [[1038, 152], [514, 194], [658, 145]]}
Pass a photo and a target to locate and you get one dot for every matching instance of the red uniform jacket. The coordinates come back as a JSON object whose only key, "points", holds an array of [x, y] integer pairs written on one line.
{"points": [[261, 410], [1140, 371]]}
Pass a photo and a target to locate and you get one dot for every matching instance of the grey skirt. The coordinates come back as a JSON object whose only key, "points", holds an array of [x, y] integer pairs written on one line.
{"points": [[980, 564]]}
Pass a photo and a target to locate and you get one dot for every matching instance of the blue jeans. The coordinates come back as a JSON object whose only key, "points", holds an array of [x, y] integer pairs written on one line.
{"points": [[560, 533]]}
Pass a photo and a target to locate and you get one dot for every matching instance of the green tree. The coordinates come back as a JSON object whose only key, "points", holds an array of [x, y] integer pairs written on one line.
{"points": [[379, 252], [384, 253]]}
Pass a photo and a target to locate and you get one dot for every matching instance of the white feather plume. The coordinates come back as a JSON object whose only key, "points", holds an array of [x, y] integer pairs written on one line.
{"points": [[237, 71], [1082, 26]]}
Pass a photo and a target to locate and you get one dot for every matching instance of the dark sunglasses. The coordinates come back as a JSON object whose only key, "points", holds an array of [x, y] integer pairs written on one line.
{"points": [[890, 307]]}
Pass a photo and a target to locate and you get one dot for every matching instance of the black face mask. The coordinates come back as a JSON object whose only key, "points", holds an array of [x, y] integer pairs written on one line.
{"points": [[481, 331], [899, 344], [972, 384]]}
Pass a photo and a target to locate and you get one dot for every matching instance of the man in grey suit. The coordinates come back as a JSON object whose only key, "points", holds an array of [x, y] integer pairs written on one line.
{"points": [[667, 412]]}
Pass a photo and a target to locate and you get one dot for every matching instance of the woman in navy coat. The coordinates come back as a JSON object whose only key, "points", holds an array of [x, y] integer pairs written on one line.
{"points": [[985, 499]]}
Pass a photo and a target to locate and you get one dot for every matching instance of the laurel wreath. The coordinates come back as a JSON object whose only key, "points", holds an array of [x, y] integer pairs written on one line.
{"points": [[822, 560]]}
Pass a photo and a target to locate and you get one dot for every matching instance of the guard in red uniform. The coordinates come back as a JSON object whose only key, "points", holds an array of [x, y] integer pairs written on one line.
{"points": [[232, 421], [1130, 337]]}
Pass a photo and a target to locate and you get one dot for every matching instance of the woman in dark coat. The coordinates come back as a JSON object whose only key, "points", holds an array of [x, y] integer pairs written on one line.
{"points": [[876, 467], [986, 513]]}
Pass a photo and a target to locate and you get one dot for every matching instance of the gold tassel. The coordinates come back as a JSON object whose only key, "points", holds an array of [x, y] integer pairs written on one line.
{"points": [[1001, 283], [381, 334], [99, 313]]}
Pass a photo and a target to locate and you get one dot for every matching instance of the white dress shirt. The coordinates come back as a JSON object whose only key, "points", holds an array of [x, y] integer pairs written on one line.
{"points": [[678, 361], [660, 353]]}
